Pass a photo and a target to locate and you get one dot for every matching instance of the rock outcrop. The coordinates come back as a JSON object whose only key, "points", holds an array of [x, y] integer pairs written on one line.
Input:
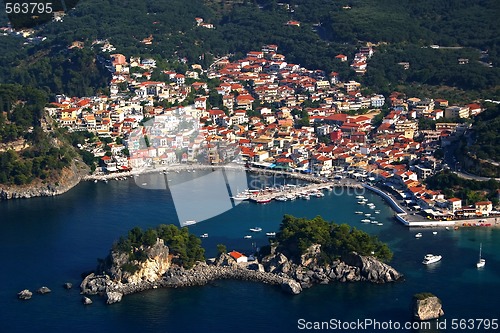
{"points": [[426, 307], [43, 290], [275, 269], [86, 300], [352, 267], [24, 294], [68, 285]]}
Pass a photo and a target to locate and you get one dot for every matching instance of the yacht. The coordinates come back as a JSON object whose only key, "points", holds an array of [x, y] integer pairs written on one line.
{"points": [[256, 229], [431, 258], [366, 220], [247, 236], [418, 235], [270, 234], [481, 262], [368, 214]]}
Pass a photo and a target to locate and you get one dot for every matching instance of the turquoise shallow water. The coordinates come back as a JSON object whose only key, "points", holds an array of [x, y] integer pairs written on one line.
{"points": [[49, 241]]}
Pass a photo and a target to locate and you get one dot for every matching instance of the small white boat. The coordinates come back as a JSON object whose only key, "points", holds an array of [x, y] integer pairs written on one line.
{"points": [[270, 234], [361, 203], [365, 221], [95, 181], [358, 212], [256, 229], [418, 235], [247, 236], [368, 214], [240, 197], [481, 262], [380, 223], [360, 197], [434, 232], [377, 212], [374, 222], [189, 222], [431, 258], [204, 235]]}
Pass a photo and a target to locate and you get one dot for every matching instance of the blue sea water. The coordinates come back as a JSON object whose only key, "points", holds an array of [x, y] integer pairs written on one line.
{"points": [[50, 241]]}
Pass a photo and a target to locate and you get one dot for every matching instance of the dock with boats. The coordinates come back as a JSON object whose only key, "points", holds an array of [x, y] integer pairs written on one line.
{"points": [[285, 193]]}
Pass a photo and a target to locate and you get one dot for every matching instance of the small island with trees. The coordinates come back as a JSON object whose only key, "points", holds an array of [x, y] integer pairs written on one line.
{"points": [[305, 252]]}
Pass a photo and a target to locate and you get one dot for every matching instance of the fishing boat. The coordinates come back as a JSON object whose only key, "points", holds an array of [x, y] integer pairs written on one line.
{"points": [[431, 258], [263, 200], [481, 262], [256, 229]]}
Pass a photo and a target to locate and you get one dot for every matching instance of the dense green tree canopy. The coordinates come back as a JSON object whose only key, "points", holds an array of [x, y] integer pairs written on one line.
{"points": [[185, 247], [298, 234]]}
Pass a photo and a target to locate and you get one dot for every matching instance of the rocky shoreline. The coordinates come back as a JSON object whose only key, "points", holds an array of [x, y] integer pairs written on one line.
{"points": [[274, 269], [69, 178]]}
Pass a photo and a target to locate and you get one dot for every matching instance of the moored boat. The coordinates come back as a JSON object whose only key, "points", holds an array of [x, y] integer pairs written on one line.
{"points": [[431, 258], [256, 229], [481, 262], [418, 235], [270, 234], [204, 235]]}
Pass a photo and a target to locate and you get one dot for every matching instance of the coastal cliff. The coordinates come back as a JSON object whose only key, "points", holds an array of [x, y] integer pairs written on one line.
{"points": [[68, 178], [158, 270]]}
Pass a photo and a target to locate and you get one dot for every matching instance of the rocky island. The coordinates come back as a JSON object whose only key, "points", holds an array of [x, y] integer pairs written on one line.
{"points": [[143, 261]]}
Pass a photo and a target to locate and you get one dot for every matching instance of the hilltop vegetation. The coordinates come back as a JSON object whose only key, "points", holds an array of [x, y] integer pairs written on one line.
{"points": [[185, 247], [470, 191], [296, 235], [326, 29]]}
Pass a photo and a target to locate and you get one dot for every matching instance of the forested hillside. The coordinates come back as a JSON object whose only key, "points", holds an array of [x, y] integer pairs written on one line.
{"points": [[401, 29], [26, 151]]}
